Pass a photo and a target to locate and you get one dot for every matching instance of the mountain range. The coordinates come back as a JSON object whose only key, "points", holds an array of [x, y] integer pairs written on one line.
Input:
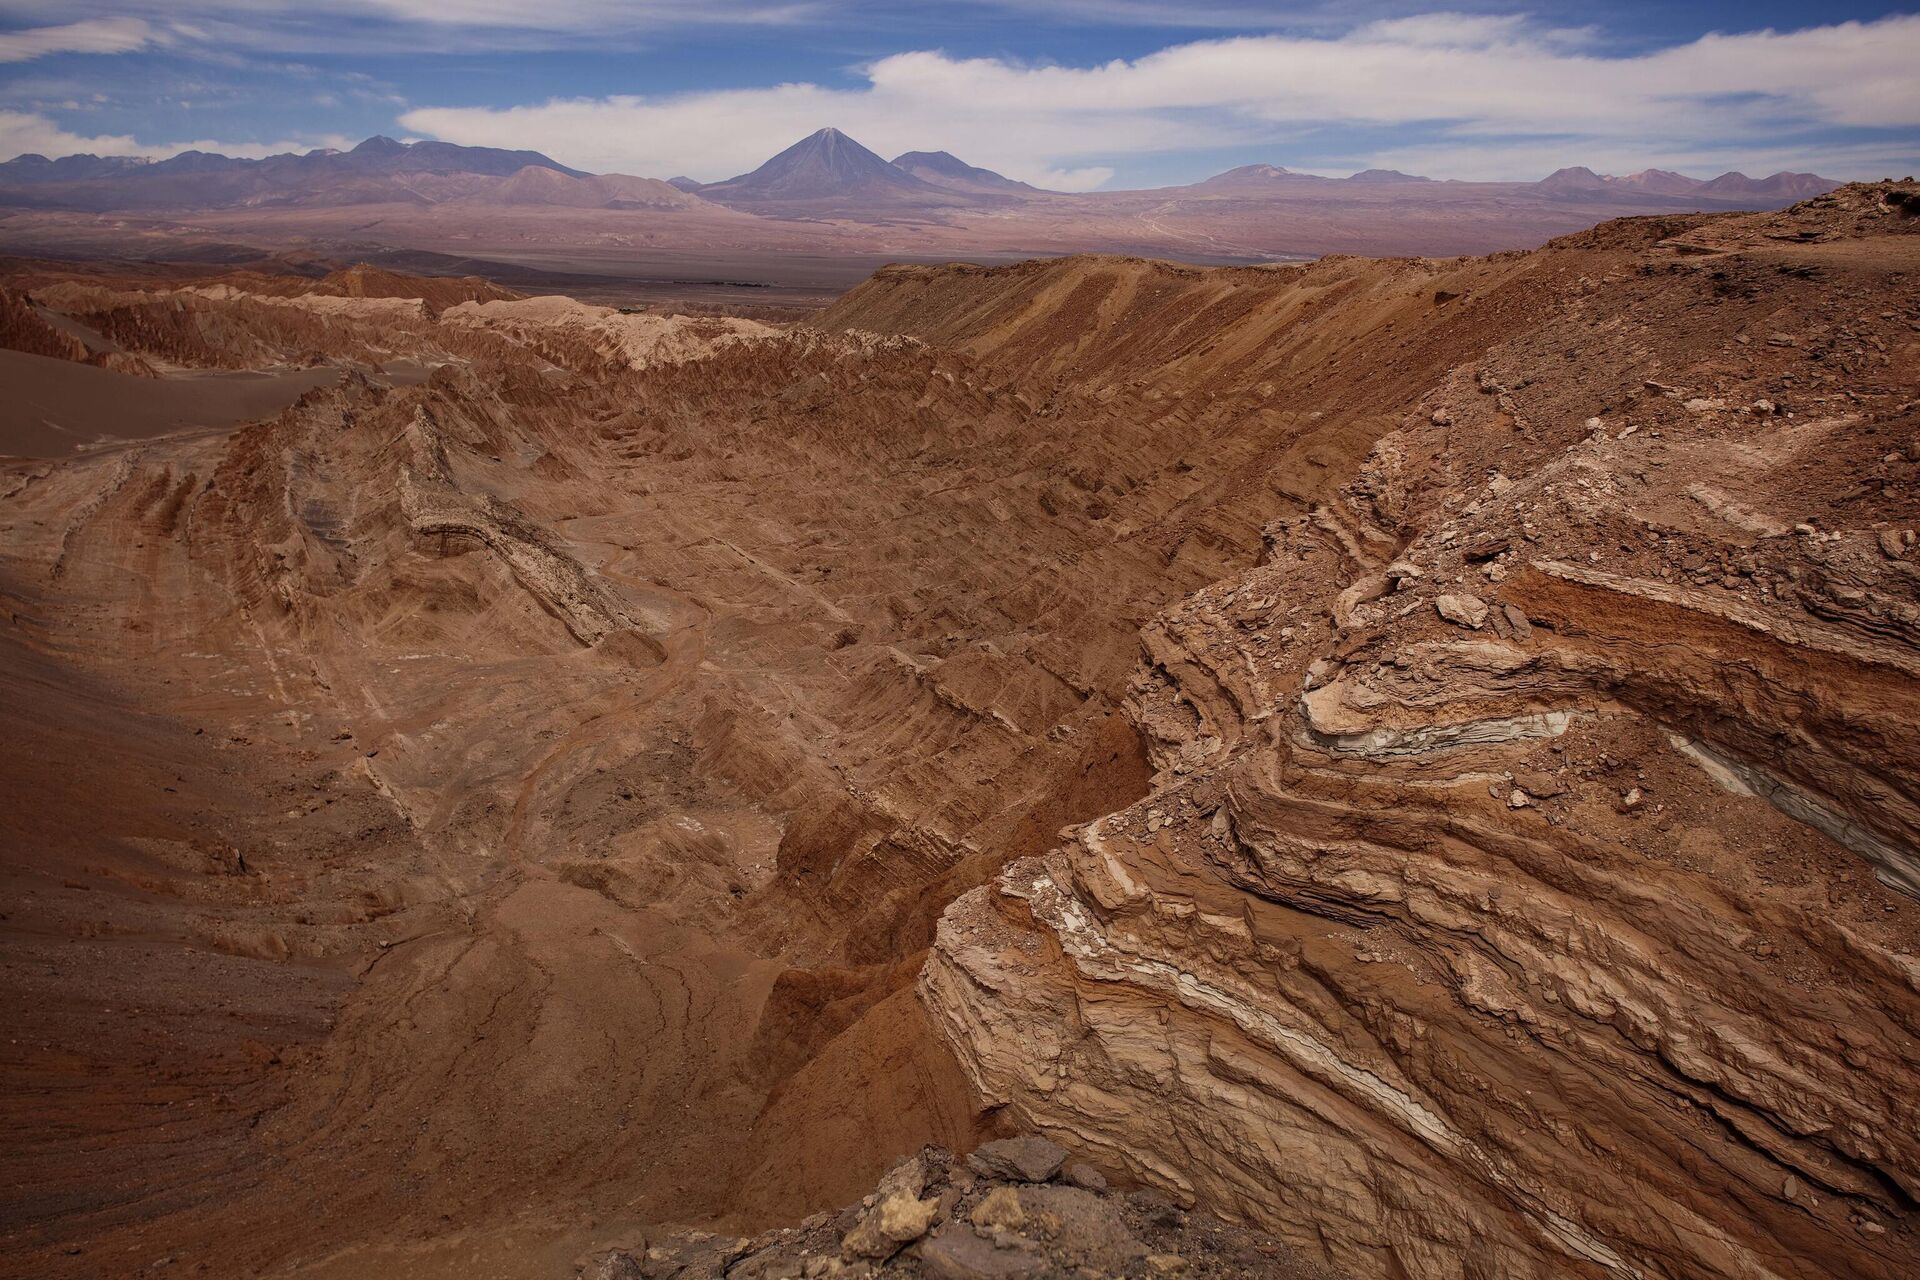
{"points": [[379, 170], [1729, 188], [828, 192]]}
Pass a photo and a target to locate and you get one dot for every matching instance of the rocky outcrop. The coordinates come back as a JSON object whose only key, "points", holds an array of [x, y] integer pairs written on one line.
{"points": [[22, 328], [575, 335], [437, 509], [25, 327], [940, 1218], [1543, 903]]}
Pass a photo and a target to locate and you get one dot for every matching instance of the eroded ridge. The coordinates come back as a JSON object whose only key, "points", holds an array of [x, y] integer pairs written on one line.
{"points": [[1526, 885]]}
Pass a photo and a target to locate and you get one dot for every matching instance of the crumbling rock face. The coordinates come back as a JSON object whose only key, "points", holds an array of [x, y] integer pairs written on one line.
{"points": [[685, 693], [436, 508], [1527, 886], [574, 334], [25, 327]]}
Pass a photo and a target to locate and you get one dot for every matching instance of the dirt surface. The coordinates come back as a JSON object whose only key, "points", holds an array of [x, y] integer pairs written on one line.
{"points": [[1015, 1209], [55, 407], [621, 776]]}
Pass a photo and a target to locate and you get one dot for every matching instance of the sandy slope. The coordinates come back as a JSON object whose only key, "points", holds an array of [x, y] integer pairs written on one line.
{"points": [[55, 407]]}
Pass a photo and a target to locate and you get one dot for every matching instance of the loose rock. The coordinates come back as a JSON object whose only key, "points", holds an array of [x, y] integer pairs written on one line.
{"points": [[1026, 1159], [1462, 610]]}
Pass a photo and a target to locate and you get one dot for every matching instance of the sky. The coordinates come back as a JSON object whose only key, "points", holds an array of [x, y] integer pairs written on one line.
{"points": [[1071, 94]]}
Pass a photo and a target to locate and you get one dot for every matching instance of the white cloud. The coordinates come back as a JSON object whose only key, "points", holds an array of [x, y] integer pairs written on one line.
{"points": [[1467, 95], [580, 15], [452, 26], [93, 35], [1494, 87], [22, 132]]}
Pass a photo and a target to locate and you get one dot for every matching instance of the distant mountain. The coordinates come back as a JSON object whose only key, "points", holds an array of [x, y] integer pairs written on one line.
{"points": [[533, 186], [384, 155], [828, 178], [1386, 175], [1660, 182], [944, 169], [379, 170], [1573, 179], [1781, 186], [829, 168], [33, 167], [1253, 177], [1729, 190]]}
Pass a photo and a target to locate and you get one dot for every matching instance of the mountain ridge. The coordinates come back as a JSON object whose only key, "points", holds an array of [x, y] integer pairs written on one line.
{"points": [[829, 193], [826, 164], [943, 168]]}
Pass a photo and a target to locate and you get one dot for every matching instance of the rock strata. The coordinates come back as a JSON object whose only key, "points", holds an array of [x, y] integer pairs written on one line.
{"points": [[1529, 889], [1028, 1159]]}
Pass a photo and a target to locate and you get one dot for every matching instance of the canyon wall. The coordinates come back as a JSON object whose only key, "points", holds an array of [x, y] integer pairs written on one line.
{"points": [[1526, 886]]}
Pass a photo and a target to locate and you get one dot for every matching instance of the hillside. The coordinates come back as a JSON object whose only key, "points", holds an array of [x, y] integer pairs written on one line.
{"points": [[944, 169]]}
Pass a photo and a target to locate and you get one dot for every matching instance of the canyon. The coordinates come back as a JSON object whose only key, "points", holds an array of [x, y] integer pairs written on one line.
{"points": [[1409, 760]]}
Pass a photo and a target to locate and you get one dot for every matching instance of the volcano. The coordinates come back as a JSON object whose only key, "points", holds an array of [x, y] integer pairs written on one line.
{"points": [[828, 167]]}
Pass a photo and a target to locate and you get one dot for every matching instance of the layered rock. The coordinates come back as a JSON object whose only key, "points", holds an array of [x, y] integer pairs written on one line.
{"points": [[1526, 886]]}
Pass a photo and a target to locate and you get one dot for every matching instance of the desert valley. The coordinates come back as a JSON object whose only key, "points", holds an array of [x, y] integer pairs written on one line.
{"points": [[870, 719]]}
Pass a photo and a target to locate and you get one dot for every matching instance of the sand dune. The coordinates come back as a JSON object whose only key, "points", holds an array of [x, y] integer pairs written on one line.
{"points": [[54, 407]]}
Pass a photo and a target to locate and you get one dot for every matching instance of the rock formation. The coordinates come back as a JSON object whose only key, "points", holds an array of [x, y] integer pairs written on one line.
{"points": [[987, 1217], [1541, 903]]}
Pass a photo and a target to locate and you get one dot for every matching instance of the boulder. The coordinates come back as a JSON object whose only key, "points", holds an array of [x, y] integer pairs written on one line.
{"points": [[1024, 1159], [895, 1221], [1536, 783], [1000, 1208], [1084, 1175], [959, 1254], [1463, 610], [619, 1265], [910, 1176]]}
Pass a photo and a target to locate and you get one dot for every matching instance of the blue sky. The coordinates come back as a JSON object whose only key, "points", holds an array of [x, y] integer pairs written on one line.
{"points": [[1071, 93]]}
